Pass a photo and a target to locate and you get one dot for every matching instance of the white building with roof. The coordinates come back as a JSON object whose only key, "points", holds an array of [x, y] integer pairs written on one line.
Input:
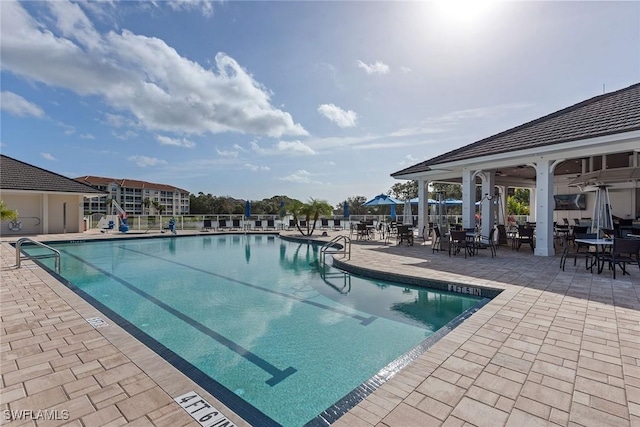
{"points": [[549, 156]]}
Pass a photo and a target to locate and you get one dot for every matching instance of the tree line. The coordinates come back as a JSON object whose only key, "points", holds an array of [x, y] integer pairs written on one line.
{"points": [[207, 204]]}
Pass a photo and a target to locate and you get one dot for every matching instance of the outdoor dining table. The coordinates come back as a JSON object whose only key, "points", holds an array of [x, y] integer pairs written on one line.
{"points": [[596, 243]]}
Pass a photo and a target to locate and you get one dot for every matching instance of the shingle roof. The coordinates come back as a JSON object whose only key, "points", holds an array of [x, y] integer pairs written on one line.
{"points": [[17, 175], [607, 114], [129, 183]]}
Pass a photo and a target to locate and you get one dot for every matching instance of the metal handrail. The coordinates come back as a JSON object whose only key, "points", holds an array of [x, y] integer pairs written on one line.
{"points": [[345, 251], [55, 254]]}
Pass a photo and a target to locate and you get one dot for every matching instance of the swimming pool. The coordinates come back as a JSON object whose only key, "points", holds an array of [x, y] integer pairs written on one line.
{"points": [[254, 319]]}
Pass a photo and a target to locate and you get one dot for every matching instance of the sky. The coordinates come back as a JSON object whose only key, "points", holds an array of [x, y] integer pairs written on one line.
{"points": [[309, 99]]}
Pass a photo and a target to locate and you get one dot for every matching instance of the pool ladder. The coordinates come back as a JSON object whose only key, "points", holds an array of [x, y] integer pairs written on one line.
{"points": [[19, 257], [345, 251]]}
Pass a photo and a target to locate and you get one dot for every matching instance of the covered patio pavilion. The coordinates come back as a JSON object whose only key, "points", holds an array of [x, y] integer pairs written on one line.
{"points": [[545, 156]]}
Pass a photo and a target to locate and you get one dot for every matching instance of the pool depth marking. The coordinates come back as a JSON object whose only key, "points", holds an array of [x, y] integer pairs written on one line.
{"points": [[277, 375], [363, 320]]}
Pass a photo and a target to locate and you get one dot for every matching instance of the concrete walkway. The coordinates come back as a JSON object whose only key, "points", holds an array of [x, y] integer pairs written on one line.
{"points": [[554, 348]]}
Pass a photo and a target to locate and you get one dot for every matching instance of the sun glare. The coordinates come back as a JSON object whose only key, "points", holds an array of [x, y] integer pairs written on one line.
{"points": [[463, 12]]}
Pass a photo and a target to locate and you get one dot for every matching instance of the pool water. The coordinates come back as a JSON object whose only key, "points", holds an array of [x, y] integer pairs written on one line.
{"points": [[276, 334]]}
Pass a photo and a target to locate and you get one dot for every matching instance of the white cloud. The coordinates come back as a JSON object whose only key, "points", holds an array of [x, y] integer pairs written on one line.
{"points": [[296, 147], [408, 160], [138, 75], [342, 118], [48, 156], [287, 147], [405, 70], [204, 6], [228, 153], [239, 148], [18, 106], [184, 142], [256, 168], [125, 135], [144, 161], [87, 136], [376, 68], [301, 177]]}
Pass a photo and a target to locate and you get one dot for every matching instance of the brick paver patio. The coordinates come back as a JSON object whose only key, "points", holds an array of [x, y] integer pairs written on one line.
{"points": [[554, 348]]}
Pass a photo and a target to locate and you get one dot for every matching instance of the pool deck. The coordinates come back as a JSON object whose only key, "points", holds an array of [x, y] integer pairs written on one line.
{"points": [[554, 348]]}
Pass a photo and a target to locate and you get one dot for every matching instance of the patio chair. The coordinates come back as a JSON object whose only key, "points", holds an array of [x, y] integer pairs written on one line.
{"points": [[488, 242], [206, 225], [271, 224], [577, 229], [576, 221], [405, 234], [436, 242], [362, 232], [257, 224], [292, 224], [222, 224], [623, 252], [337, 225], [235, 224], [584, 249], [324, 224], [568, 253], [525, 235], [458, 242]]}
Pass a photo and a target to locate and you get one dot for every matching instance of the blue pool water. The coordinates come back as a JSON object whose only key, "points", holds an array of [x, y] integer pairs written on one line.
{"points": [[256, 318]]}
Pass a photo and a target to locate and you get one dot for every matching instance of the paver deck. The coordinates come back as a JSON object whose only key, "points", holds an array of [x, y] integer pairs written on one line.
{"points": [[554, 348]]}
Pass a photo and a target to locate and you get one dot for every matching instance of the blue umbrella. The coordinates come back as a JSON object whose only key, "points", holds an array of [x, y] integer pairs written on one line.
{"points": [[345, 209], [382, 199], [393, 212], [247, 209]]}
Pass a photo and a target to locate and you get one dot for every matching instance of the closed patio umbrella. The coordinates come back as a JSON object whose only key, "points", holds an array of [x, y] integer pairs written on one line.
{"points": [[247, 212], [407, 218], [393, 212], [345, 210]]}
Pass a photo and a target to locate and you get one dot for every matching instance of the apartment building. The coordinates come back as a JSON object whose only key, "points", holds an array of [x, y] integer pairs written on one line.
{"points": [[131, 195]]}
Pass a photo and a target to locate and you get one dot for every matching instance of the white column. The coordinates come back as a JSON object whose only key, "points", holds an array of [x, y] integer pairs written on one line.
{"points": [[422, 202], [532, 205], [544, 208], [502, 207], [45, 213], [488, 189], [468, 198]]}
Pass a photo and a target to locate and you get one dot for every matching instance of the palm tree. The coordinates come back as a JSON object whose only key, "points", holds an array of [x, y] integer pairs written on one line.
{"points": [[7, 214], [316, 209], [310, 212]]}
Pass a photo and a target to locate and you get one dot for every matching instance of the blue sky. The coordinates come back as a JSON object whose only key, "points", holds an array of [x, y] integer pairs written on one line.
{"points": [[307, 99]]}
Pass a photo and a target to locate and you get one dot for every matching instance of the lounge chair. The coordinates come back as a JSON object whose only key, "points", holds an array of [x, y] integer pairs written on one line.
{"points": [[206, 225], [235, 224], [324, 224], [271, 224], [292, 224], [257, 225], [337, 225], [222, 224]]}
